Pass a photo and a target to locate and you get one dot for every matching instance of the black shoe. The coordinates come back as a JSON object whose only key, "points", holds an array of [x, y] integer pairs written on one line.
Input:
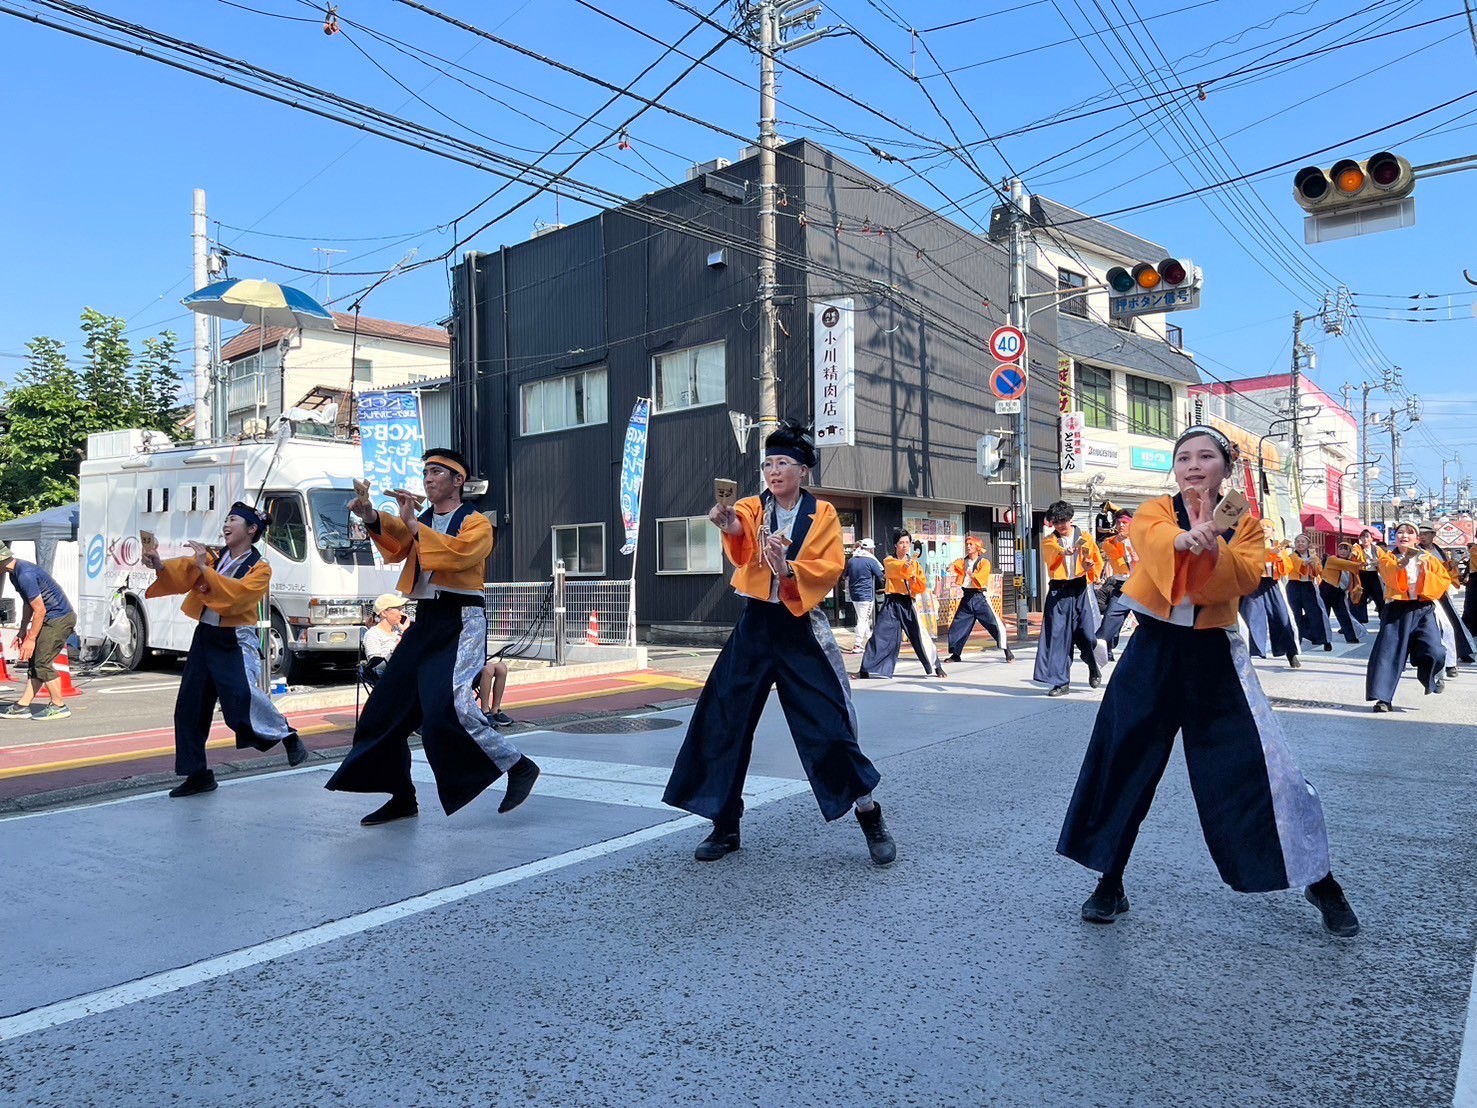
{"points": [[1110, 655], [1438, 686], [1009, 655], [1293, 663], [953, 658], [938, 671], [1107, 902], [1451, 671], [397, 807], [500, 719], [520, 783], [1382, 706], [1338, 917], [203, 782], [297, 750], [1060, 690], [1095, 681], [879, 841], [717, 844], [862, 675], [1328, 646]]}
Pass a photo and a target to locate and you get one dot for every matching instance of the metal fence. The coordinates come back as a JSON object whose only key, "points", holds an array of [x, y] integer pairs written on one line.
{"points": [[548, 619]]}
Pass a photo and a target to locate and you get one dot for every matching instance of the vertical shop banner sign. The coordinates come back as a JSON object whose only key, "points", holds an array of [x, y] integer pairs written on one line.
{"points": [[1064, 383], [1074, 445], [834, 372], [633, 473], [391, 443]]}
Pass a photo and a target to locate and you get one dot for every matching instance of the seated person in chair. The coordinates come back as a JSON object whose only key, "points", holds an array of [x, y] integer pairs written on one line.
{"points": [[384, 634]]}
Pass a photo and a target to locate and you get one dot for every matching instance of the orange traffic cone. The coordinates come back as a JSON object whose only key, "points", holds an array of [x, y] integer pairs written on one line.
{"points": [[5, 677], [64, 671], [592, 635]]}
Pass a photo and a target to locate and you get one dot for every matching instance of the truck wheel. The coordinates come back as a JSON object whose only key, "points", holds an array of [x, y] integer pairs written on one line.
{"points": [[288, 664], [131, 654]]}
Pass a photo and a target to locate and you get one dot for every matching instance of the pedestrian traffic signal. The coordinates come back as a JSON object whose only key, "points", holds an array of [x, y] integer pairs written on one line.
{"points": [[1171, 273], [992, 453], [1350, 183]]}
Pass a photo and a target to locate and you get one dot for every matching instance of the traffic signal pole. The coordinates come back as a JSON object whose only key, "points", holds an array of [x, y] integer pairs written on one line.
{"points": [[1025, 559]]}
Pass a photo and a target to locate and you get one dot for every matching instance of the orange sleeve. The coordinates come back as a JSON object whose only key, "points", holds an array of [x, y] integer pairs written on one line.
{"points": [[818, 563], [1152, 532], [392, 537], [467, 549], [1051, 553], [237, 596], [957, 569], [917, 580], [1092, 559], [175, 576], [741, 549], [1237, 572]]}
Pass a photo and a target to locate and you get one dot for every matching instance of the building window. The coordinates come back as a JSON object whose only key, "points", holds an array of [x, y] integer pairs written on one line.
{"points": [[689, 378], [1150, 407], [1123, 323], [364, 370], [558, 403], [1174, 335], [1075, 305], [688, 545], [1095, 396], [582, 549]]}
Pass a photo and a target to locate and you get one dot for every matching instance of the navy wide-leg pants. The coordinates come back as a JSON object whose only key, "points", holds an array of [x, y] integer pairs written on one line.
{"points": [[1336, 600], [897, 619], [1408, 631], [224, 664], [1309, 612], [796, 655], [1269, 627], [1068, 622], [974, 607]]}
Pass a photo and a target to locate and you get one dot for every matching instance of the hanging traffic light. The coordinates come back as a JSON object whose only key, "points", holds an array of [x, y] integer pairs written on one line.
{"points": [[1172, 285], [1350, 183]]}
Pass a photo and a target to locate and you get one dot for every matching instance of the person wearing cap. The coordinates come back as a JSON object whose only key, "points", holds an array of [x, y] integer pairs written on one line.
{"points": [[46, 623], [1186, 671], [1410, 633], [223, 592], [785, 546], [1269, 629], [1460, 646], [972, 574], [390, 625], [1121, 559], [429, 679], [1069, 617], [863, 576]]}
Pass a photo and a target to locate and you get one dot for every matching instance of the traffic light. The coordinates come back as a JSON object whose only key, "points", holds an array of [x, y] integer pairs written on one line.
{"points": [[992, 453], [1171, 273], [1351, 183]]}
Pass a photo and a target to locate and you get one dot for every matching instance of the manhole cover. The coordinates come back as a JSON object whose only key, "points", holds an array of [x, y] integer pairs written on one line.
{"points": [[1292, 702], [623, 725]]}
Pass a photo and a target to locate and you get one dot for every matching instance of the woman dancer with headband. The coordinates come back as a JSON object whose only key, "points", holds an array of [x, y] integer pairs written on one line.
{"points": [[1186, 671]]}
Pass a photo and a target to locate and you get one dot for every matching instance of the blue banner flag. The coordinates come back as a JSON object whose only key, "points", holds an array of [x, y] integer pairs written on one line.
{"points": [[391, 442], [633, 472]]}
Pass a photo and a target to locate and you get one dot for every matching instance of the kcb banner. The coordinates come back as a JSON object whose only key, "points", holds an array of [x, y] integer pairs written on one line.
{"points": [[633, 473], [392, 444]]}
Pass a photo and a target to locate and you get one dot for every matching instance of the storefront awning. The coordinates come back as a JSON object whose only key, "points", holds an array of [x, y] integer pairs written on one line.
{"points": [[1334, 523]]}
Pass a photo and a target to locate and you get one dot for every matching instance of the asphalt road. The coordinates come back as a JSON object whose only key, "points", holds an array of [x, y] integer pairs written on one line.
{"points": [[256, 946]]}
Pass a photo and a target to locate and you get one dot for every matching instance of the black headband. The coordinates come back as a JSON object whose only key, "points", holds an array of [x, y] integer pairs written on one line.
{"points": [[249, 515]]}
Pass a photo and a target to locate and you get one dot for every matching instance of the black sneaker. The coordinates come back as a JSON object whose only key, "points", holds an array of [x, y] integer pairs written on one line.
{"points": [[1060, 690], [953, 658], [1338, 917], [1107, 902], [297, 750], [718, 844], [1328, 646], [1293, 663], [521, 777], [1382, 706], [879, 840], [203, 782], [938, 671], [397, 807], [1451, 671], [1009, 654], [500, 719], [1095, 681]]}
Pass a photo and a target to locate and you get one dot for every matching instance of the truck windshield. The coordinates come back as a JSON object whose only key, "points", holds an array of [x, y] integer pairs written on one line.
{"points": [[339, 536]]}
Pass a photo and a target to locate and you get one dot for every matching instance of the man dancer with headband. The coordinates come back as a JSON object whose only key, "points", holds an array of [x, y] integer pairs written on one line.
{"points": [[225, 658], [428, 681]]}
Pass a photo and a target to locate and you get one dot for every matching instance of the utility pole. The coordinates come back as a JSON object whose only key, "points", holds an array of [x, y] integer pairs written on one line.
{"points": [[200, 240], [1394, 454], [1295, 407], [1364, 455], [1024, 558]]}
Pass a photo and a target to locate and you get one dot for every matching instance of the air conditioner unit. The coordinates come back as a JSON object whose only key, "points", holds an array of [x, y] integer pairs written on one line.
{"points": [[707, 167]]}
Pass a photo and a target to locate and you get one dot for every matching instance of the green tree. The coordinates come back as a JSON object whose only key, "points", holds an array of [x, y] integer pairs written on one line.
{"points": [[50, 410]]}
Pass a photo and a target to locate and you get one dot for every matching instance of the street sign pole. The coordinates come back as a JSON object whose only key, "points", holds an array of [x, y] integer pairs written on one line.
{"points": [[1020, 320]]}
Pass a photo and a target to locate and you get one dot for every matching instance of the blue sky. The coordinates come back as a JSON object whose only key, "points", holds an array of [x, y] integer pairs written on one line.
{"points": [[101, 162]]}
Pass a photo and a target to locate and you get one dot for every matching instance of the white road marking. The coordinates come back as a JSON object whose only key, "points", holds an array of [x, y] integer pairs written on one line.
{"points": [[575, 779], [1466, 1073], [155, 687]]}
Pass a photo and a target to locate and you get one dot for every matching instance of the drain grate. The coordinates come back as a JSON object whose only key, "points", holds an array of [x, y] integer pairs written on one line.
{"points": [[621, 725]]}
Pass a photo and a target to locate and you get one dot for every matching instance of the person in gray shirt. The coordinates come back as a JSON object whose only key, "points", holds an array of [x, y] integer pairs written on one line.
{"points": [[863, 576]]}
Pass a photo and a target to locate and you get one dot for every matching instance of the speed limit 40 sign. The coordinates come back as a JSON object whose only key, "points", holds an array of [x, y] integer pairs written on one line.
{"points": [[1008, 344]]}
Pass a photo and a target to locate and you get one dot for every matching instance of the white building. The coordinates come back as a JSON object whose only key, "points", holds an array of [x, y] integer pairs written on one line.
{"points": [[1127, 379], [262, 369], [1323, 490]]}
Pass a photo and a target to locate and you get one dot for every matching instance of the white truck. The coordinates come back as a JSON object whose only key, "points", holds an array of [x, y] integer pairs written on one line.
{"points": [[324, 572]]}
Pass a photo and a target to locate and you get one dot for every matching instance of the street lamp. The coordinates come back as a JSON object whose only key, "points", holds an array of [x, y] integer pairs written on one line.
{"points": [[1261, 464], [1374, 471]]}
